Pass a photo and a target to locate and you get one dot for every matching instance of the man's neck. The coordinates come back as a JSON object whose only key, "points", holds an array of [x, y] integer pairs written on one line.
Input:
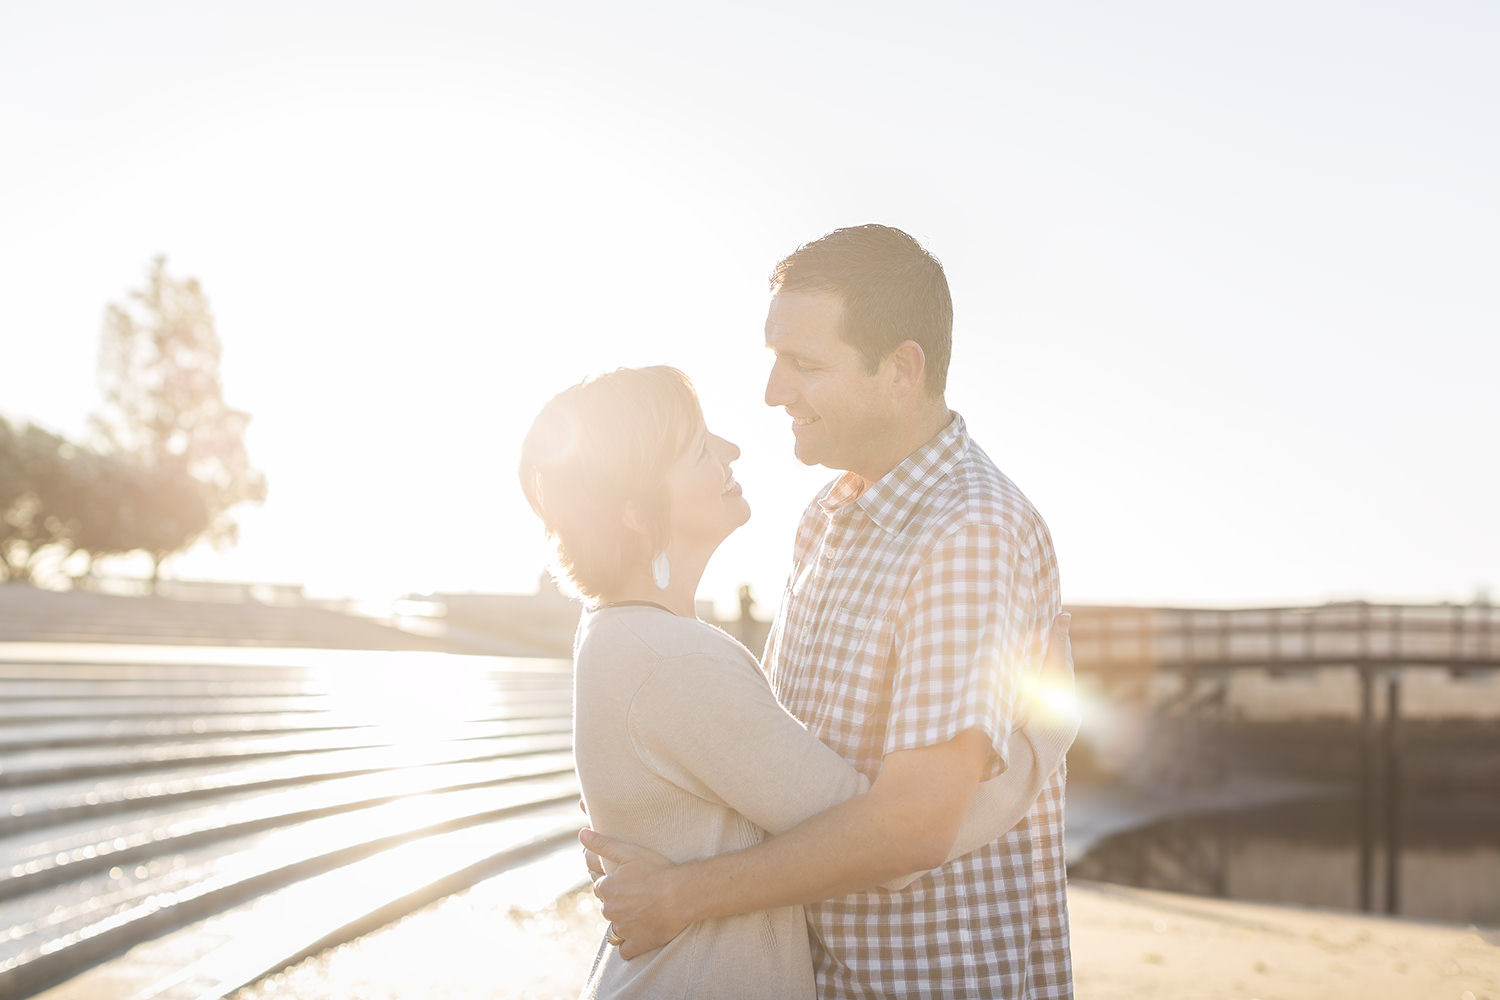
{"points": [[907, 438]]}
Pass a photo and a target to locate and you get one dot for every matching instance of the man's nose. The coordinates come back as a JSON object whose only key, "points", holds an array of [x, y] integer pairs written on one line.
{"points": [[777, 391]]}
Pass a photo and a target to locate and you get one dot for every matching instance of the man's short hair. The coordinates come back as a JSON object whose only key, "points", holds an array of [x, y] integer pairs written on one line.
{"points": [[597, 450], [892, 289]]}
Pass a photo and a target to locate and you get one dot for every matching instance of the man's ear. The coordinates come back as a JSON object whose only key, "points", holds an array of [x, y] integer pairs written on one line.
{"points": [[908, 363]]}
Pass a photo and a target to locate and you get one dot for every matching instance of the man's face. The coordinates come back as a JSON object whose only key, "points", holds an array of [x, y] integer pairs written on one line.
{"points": [[839, 409]]}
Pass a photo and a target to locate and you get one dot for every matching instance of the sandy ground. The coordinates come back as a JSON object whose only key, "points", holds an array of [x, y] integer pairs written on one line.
{"points": [[1131, 943], [1137, 943]]}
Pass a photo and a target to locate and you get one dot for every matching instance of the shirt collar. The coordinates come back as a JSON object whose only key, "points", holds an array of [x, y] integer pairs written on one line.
{"points": [[895, 498]]}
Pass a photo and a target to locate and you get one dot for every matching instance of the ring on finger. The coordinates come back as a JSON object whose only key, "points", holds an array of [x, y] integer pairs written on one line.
{"points": [[613, 936]]}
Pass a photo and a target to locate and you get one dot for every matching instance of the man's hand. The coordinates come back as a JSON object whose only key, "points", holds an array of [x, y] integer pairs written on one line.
{"points": [[636, 895]]}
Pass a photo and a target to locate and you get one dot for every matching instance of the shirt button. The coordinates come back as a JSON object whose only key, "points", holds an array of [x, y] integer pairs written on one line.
{"points": [[828, 555]]}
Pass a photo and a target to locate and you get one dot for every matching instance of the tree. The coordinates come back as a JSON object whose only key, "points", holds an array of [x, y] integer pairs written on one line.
{"points": [[34, 484], [98, 508], [164, 409]]}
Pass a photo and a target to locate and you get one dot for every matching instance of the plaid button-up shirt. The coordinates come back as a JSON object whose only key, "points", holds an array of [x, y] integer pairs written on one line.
{"points": [[912, 611]]}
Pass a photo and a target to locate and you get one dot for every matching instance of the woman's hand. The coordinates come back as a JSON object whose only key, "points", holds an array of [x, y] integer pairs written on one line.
{"points": [[637, 894], [1054, 695]]}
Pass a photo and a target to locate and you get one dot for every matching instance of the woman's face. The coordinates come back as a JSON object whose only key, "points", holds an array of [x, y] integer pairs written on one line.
{"points": [[707, 504]]}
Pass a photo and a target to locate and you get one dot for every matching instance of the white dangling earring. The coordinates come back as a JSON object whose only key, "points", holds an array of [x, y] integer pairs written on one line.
{"points": [[661, 570]]}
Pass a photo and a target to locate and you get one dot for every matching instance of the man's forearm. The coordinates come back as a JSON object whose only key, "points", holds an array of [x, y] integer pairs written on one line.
{"points": [[907, 822], [839, 851]]}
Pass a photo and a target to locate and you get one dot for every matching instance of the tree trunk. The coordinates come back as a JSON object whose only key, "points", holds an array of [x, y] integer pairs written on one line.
{"points": [[16, 570]]}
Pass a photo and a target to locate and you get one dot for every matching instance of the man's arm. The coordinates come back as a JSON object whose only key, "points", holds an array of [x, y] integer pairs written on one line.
{"points": [[1051, 724], [906, 822]]}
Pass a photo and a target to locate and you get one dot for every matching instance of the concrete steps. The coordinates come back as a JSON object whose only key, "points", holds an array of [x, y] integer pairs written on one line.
{"points": [[29, 614], [142, 798]]}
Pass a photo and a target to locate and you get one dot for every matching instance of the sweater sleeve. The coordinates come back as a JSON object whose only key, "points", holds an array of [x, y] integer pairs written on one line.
{"points": [[711, 725]]}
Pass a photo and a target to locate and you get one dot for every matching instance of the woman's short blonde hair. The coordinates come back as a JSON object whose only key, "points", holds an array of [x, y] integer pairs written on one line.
{"points": [[597, 451]]}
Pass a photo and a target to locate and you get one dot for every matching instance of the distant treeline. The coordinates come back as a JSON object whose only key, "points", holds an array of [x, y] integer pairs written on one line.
{"points": [[166, 459]]}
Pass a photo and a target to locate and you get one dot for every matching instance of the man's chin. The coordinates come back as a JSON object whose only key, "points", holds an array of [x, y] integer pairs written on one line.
{"points": [[806, 452], [810, 458]]}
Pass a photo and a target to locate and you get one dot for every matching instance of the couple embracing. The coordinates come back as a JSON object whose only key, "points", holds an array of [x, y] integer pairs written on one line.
{"points": [[875, 807]]}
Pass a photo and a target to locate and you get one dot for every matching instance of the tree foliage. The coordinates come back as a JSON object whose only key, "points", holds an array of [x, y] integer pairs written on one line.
{"points": [[33, 482], [170, 461], [164, 409]]}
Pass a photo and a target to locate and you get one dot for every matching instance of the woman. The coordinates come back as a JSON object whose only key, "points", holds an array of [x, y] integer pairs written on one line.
{"points": [[679, 743]]}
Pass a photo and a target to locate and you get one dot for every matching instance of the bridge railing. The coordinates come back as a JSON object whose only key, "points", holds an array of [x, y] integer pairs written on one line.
{"points": [[1142, 640]]}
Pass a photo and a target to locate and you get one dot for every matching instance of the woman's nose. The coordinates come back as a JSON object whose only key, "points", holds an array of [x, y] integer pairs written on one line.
{"points": [[727, 450]]}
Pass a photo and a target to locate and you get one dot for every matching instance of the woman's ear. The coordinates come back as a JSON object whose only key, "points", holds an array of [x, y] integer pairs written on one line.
{"points": [[635, 522]]}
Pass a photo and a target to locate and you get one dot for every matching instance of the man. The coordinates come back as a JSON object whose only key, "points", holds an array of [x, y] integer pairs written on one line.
{"points": [[922, 587]]}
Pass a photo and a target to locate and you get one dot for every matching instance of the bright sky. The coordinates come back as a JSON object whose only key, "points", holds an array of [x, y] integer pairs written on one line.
{"points": [[1224, 275]]}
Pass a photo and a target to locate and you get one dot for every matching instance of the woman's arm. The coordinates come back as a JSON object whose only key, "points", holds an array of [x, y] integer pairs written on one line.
{"points": [[710, 725], [713, 726]]}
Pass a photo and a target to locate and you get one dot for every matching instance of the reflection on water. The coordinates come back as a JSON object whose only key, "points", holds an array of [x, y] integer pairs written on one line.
{"points": [[1448, 867]]}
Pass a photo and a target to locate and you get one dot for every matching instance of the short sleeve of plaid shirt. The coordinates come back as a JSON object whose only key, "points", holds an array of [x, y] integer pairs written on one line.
{"points": [[964, 626]]}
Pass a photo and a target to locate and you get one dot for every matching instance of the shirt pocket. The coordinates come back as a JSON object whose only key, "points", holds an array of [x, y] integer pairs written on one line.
{"points": [[853, 628]]}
